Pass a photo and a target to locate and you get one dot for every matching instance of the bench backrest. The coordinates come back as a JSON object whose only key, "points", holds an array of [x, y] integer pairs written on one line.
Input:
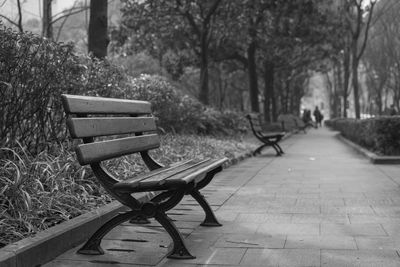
{"points": [[90, 117], [287, 121], [254, 120], [299, 122]]}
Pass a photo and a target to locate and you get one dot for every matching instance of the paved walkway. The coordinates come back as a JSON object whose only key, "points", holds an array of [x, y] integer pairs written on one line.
{"points": [[321, 204]]}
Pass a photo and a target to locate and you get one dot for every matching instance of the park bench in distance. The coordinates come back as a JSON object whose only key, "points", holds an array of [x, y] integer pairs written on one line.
{"points": [[147, 195], [268, 138], [290, 122]]}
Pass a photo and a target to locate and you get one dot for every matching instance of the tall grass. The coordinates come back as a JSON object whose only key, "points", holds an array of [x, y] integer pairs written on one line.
{"points": [[37, 192]]}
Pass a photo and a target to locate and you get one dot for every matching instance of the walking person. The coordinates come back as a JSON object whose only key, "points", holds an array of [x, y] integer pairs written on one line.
{"points": [[318, 117]]}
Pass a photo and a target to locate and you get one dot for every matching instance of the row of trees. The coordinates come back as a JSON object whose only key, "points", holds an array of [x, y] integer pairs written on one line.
{"points": [[260, 52], [274, 42], [382, 58]]}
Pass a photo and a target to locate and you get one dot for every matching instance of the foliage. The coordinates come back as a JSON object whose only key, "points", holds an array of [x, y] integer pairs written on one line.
{"points": [[180, 113], [40, 191], [33, 74], [382, 57], [380, 134]]}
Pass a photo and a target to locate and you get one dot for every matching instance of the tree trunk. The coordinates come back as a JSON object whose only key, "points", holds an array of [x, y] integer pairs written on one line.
{"points": [[98, 37], [354, 69], [47, 28], [253, 80], [339, 84], [204, 90], [268, 89], [346, 80]]}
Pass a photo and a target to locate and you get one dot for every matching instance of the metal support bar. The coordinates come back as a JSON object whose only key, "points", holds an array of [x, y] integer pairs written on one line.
{"points": [[92, 246], [179, 250], [210, 219]]}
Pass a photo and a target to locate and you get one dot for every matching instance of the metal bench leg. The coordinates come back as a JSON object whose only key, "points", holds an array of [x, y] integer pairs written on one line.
{"points": [[280, 148], [258, 150], [278, 152], [92, 246], [179, 250], [210, 219]]}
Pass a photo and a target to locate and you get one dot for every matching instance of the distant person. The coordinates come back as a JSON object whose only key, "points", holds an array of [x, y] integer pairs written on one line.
{"points": [[307, 118], [318, 117], [392, 110]]}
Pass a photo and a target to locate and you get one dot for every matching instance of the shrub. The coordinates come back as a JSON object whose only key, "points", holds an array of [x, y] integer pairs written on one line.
{"points": [[180, 113], [33, 73], [381, 134]]}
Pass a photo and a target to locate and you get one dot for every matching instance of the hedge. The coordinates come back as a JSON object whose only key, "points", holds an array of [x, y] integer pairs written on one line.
{"points": [[380, 135]]}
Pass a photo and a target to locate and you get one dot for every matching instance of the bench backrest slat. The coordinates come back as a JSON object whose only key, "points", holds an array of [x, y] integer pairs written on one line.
{"points": [[92, 127], [99, 151], [100, 105], [90, 117], [255, 122]]}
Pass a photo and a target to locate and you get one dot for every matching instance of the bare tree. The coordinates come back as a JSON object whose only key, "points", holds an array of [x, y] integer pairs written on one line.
{"points": [[17, 23], [358, 17]]}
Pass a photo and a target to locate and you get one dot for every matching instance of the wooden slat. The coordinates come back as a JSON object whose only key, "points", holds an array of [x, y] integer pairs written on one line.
{"points": [[74, 104], [174, 171], [99, 151], [158, 172], [91, 127], [197, 172], [183, 173]]}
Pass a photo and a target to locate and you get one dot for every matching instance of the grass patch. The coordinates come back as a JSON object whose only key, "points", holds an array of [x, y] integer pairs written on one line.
{"points": [[37, 192]]}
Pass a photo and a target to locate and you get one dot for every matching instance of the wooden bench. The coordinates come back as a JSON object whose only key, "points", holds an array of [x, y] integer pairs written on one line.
{"points": [[290, 122], [267, 138], [147, 195], [301, 125]]}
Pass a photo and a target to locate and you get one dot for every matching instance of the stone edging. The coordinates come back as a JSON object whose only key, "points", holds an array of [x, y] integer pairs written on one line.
{"points": [[48, 244], [374, 158]]}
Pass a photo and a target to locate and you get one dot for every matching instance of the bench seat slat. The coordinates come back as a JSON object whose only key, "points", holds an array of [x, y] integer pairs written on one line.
{"points": [[161, 171], [91, 127], [99, 151], [99, 105], [175, 177], [196, 173]]}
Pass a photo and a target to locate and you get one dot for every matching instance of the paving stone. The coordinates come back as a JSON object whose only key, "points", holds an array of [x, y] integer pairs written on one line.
{"points": [[250, 241], [359, 258], [320, 218], [362, 218], [289, 229], [94, 263], [149, 254], [362, 229], [378, 243], [281, 257], [320, 242], [220, 256]]}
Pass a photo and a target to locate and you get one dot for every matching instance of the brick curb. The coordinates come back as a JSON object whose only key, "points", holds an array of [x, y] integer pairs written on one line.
{"points": [[374, 158], [47, 244]]}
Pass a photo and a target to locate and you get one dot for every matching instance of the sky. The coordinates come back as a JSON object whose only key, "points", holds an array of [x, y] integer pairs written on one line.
{"points": [[31, 8]]}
